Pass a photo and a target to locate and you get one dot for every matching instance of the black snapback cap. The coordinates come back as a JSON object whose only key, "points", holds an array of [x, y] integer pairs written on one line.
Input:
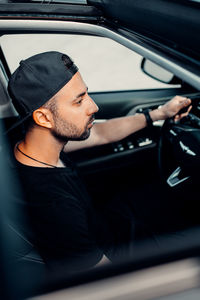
{"points": [[38, 79]]}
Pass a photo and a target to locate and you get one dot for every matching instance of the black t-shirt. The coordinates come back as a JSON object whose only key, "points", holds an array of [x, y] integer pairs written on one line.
{"points": [[61, 216], [68, 232]]}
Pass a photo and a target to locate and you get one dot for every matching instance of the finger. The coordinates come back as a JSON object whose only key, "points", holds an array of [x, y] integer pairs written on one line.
{"points": [[176, 118], [180, 116], [189, 109], [185, 102], [187, 112]]}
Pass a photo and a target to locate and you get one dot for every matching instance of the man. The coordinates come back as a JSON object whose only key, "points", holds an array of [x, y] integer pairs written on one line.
{"points": [[52, 100]]}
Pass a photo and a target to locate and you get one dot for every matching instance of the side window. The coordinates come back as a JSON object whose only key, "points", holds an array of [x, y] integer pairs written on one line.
{"points": [[104, 64]]}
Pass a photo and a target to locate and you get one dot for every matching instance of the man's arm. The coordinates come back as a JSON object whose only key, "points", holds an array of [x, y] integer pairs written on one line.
{"points": [[116, 129]]}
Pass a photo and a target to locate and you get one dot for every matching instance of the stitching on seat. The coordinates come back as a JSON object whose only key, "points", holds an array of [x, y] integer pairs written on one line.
{"points": [[19, 234]]}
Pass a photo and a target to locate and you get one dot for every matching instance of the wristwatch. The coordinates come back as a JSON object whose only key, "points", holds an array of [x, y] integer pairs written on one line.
{"points": [[148, 118]]}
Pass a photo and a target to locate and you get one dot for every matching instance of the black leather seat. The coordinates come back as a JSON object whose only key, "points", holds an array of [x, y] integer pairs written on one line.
{"points": [[22, 257]]}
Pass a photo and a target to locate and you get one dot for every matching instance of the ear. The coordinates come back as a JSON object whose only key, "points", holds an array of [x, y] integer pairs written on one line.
{"points": [[43, 117]]}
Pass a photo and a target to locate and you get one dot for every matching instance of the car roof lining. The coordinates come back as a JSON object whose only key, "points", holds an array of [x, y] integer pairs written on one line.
{"points": [[158, 20], [67, 9]]}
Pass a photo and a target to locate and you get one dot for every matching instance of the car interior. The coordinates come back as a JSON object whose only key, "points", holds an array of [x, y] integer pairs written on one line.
{"points": [[157, 167]]}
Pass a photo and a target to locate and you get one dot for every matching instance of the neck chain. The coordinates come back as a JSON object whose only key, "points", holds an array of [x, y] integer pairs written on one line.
{"points": [[17, 147]]}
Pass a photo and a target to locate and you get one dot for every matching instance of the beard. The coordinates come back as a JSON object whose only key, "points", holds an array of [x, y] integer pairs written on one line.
{"points": [[65, 131]]}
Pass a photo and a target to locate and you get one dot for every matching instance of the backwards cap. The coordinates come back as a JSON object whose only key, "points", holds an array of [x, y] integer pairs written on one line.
{"points": [[37, 80]]}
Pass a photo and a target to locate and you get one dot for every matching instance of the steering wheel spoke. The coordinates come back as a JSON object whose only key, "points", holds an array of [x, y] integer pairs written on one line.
{"points": [[179, 151]]}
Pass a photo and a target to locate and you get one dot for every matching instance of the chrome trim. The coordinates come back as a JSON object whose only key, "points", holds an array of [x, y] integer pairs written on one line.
{"points": [[173, 132], [186, 149], [173, 179], [76, 27]]}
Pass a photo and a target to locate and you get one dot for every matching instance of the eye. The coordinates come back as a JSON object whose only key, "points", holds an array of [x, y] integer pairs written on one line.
{"points": [[79, 101]]}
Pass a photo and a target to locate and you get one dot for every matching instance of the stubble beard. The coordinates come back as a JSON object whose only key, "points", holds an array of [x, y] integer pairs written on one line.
{"points": [[65, 131]]}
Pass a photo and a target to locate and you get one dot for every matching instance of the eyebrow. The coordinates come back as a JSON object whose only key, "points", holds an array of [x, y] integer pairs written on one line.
{"points": [[81, 94]]}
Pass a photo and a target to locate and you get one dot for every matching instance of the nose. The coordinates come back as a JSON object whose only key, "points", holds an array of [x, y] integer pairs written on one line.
{"points": [[92, 108]]}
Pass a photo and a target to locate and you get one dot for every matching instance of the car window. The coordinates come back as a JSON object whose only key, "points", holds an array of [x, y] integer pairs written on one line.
{"points": [[104, 64]]}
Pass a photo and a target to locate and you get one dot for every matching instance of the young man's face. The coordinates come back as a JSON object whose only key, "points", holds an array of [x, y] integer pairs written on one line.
{"points": [[74, 112]]}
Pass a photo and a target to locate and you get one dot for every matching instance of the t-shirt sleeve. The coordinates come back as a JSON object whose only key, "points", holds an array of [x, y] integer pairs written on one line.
{"points": [[64, 235]]}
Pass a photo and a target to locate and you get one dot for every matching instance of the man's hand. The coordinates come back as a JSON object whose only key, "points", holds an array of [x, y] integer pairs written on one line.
{"points": [[172, 108]]}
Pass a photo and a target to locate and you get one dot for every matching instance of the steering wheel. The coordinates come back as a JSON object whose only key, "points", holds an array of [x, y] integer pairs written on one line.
{"points": [[179, 150]]}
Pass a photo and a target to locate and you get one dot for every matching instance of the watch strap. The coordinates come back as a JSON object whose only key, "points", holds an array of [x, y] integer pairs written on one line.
{"points": [[148, 118]]}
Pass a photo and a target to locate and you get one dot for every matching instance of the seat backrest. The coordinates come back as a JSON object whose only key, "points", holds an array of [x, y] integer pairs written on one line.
{"points": [[23, 254], [24, 251], [28, 268], [6, 107]]}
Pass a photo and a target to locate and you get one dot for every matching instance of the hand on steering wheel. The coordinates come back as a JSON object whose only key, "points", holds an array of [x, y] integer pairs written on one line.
{"points": [[176, 108]]}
